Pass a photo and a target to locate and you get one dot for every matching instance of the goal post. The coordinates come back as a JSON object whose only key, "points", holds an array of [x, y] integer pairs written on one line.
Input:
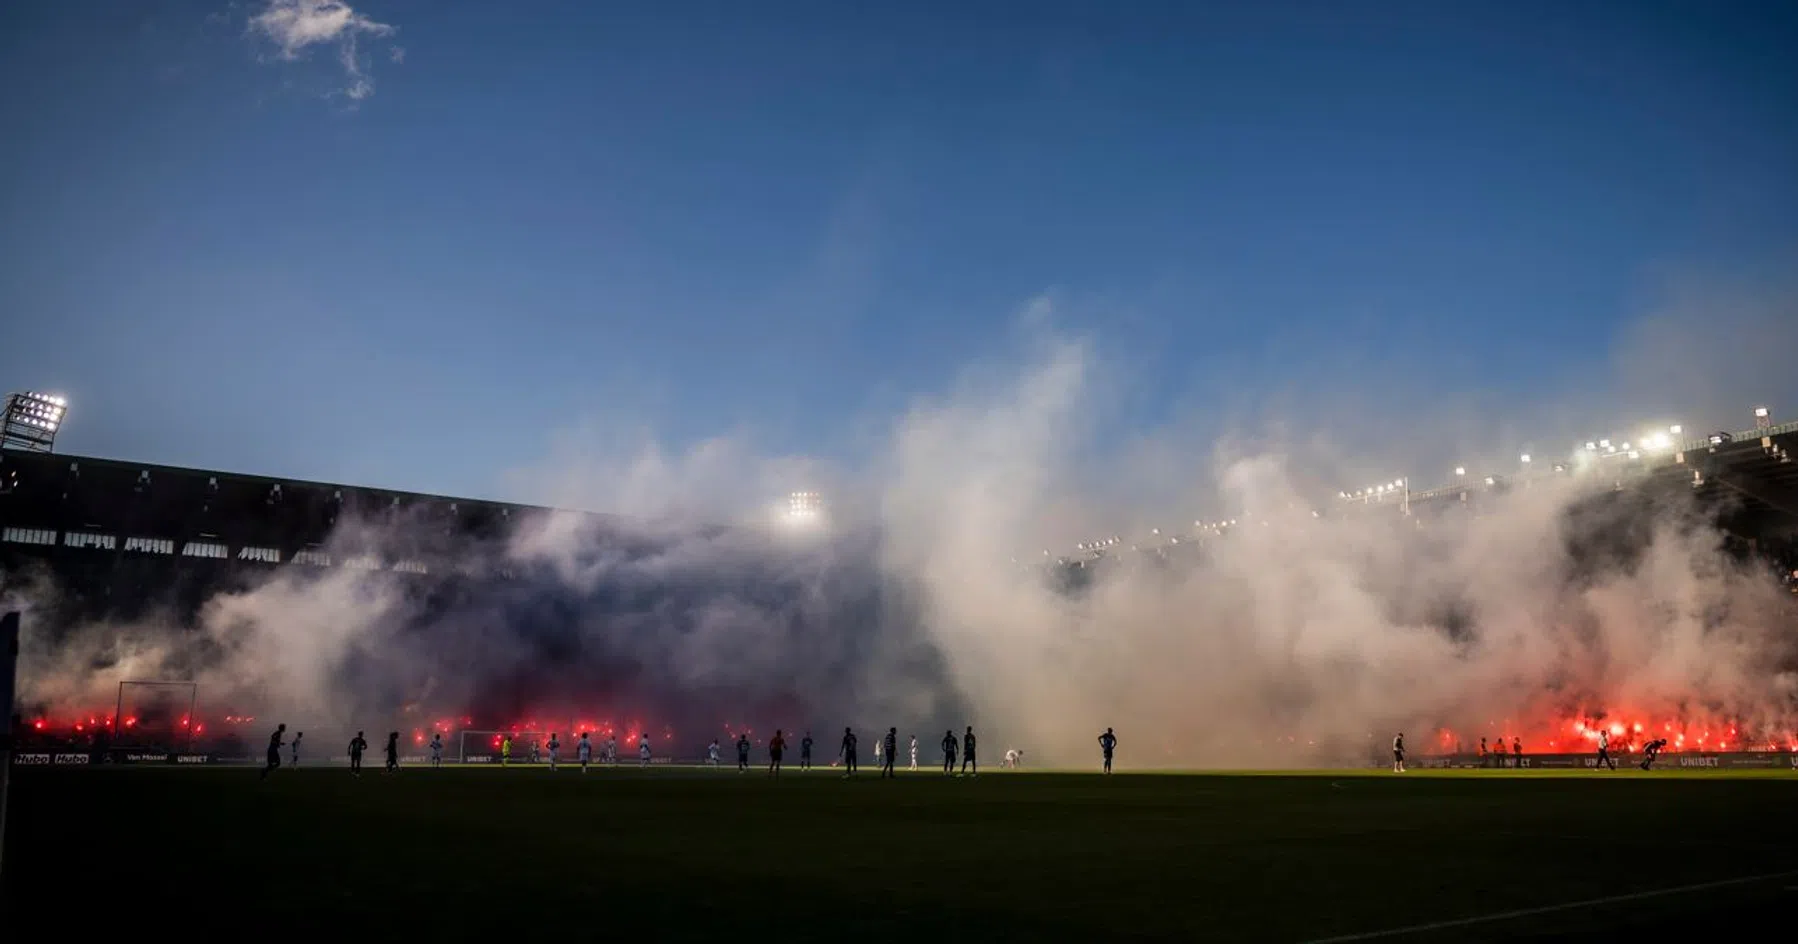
{"points": [[155, 714]]}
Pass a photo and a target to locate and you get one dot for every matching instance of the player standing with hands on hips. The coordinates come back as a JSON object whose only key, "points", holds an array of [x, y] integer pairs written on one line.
{"points": [[1108, 742]]}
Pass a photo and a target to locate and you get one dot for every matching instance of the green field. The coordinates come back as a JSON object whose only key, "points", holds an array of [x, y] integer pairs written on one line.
{"points": [[686, 854]]}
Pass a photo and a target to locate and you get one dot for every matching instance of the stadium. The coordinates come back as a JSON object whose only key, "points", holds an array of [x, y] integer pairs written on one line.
{"points": [[141, 555], [1478, 844]]}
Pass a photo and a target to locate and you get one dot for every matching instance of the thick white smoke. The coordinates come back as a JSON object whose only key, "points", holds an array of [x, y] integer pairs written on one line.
{"points": [[1305, 633]]}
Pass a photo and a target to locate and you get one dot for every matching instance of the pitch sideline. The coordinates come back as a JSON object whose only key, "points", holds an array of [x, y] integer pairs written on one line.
{"points": [[1549, 909]]}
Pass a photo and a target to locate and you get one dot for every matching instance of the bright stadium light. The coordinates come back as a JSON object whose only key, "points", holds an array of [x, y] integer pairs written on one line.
{"points": [[30, 421], [1526, 458], [1675, 429], [1460, 470], [804, 509], [1591, 447], [1604, 444], [1761, 413]]}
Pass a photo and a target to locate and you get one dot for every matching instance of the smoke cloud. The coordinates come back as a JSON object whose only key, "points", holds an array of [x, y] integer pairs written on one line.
{"points": [[1306, 632]]}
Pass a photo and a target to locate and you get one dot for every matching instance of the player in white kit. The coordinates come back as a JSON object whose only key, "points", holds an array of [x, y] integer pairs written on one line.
{"points": [[584, 750], [611, 755], [711, 753], [1011, 757], [436, 749], [555, 750], [643, 751], [914, 752]]}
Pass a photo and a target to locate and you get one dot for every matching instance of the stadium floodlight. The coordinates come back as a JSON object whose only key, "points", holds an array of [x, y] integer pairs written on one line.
{"points": [[1490, 480], [1760, 413], [1604, 444], [1591, 447], [1675, 429], [1763, 417], [1526, 458], [1460, 470], [30, 421]]}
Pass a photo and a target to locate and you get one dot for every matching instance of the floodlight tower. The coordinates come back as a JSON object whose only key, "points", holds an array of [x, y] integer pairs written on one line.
{"points": [[30, 421]]}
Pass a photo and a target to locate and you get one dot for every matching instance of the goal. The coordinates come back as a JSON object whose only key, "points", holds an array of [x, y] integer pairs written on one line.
{"points": [[483, 747], [155, 716]]}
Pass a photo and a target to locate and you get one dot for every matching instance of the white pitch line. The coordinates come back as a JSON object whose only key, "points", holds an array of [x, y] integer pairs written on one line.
{"points": [[1546, 909]]}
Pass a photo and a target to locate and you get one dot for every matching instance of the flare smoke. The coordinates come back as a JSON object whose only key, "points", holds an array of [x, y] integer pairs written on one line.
{"points": [[1300, 636]]}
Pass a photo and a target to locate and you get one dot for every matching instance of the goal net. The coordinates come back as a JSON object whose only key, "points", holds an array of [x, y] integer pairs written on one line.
{"points": [[155, 717]]}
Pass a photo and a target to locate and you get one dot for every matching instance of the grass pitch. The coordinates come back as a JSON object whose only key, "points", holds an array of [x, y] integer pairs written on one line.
{"points": [[687, 854]]}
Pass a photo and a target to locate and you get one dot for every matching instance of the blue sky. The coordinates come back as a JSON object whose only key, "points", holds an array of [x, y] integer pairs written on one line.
{"points": [[410, 268]]}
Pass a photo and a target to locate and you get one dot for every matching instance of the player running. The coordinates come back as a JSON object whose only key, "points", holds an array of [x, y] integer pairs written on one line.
{"points": [[949, 745], [555, 750], [711, 753], [1398, 753], [296, 747], [967, 753], [892, 749], [1651, 751], [1010, 761], [584, 750], [436, 749], [914, 753], [274, 751], [393, 752], [358, 744], [1604, 751], [848, 753], [805, 751], [1108, 742], [877, 744], [742, 752], [505, 750], [776, 747]]}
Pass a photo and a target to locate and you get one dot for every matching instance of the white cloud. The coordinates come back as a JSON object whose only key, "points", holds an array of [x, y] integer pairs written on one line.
{"points": [[294, 26]]}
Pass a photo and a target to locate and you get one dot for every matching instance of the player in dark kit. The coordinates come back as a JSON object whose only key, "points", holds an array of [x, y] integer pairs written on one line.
{"points": [[805, 751], [1108, 742], [393, 753], [892, 748], [357, 746], [274, 751], [1652, 750], [742, 752], [1398, 753], [967, 753], [776, 746], [948, 753], [848, 752]]}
